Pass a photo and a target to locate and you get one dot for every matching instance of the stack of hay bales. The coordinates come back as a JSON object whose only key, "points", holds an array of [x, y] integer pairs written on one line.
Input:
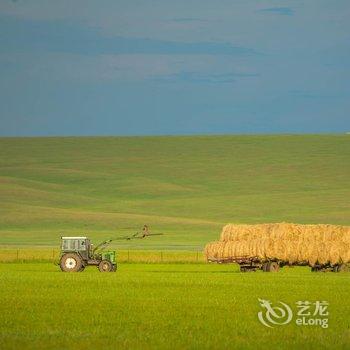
{"points": [[291, 243]]}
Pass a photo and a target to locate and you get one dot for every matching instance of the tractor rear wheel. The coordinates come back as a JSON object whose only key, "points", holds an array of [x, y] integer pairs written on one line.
{"points": [[105, 266], [71, 262]]}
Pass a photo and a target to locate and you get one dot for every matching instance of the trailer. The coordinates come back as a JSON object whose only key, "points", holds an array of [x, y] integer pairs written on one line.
{"points": [[252, 264]]}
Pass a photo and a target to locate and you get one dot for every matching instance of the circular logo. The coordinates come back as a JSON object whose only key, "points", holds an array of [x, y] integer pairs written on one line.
{"points": [[274, 315]]}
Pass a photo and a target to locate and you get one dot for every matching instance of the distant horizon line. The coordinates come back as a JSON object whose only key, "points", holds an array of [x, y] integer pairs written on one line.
{"points": [[178, 135]]}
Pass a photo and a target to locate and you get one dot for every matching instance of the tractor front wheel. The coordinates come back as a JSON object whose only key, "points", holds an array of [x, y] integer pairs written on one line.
{"points": [[105, 266], [71, 262]]}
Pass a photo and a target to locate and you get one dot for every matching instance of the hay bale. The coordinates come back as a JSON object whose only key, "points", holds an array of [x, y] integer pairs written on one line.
{"points": [[292, 243]]}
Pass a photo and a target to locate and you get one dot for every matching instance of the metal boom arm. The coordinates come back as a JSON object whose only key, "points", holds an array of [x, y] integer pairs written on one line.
{"points": [[145, 233]]}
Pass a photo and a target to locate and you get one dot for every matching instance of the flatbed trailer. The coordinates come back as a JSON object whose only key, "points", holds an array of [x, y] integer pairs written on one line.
{"points": [[248, 263]]}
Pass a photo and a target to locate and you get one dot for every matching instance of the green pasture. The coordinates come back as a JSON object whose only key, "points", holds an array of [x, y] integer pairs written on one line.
{"points": [[164, 296], [164, 306], [185, 187], [52, 255]]}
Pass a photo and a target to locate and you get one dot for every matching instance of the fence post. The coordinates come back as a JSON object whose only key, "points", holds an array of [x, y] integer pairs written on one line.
{"points": [[197, 256], [128, 256], [161, 256]]}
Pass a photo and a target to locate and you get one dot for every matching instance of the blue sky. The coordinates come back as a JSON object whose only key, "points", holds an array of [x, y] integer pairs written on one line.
{"points": [[174, 67]]}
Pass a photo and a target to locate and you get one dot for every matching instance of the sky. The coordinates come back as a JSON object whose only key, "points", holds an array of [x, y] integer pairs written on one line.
{"points": [[161, 67]]}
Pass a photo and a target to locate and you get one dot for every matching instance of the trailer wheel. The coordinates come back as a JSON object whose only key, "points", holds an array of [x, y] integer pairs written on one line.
{"points": [[315, 268], [71, 262], [341, 268], [105, 266], [272, 267]]}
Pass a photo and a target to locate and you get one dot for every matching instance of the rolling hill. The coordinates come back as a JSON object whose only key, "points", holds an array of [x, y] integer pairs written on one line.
{"points": [[186, 187]]}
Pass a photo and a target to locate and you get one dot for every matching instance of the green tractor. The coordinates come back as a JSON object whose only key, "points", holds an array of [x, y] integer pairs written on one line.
{"points": [[78, 252]]}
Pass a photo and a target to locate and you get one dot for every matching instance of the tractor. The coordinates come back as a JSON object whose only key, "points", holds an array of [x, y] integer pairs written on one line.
{"points": [[78, 252]]}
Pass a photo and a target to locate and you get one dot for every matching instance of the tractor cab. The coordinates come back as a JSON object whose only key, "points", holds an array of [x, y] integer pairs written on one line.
{"points": [[76, 244]]}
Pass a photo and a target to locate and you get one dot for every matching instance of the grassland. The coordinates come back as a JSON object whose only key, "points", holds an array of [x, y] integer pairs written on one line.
{"points": [[52, 255], [185, 187], [157, 306]]}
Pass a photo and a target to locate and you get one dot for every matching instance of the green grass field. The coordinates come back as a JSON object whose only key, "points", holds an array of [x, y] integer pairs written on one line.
{"points": [[154, 306], [186, 188], [39, 254]]}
